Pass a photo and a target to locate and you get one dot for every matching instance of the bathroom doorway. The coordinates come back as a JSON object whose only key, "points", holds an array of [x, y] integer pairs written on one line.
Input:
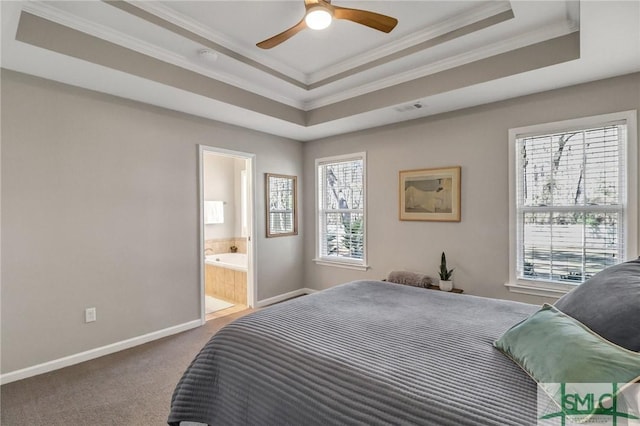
{"points": [[226, 223]]}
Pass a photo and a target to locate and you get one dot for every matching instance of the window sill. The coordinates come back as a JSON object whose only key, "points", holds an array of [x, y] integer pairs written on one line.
{"points": [[345, 265], [539, 288]]}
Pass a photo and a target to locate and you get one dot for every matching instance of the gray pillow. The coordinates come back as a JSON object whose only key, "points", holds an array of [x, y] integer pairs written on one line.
{"points": [[609, 304]]}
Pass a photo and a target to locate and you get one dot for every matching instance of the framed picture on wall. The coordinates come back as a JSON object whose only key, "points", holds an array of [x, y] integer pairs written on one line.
{"points": [[281, 202], [430, 194]]}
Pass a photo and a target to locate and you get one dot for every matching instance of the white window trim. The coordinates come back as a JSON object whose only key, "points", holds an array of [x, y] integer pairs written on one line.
{"points": [[552, 289], [360, 265]]}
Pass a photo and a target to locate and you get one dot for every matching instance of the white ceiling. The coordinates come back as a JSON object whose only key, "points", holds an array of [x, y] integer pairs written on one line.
{"points": [[319, 83]]}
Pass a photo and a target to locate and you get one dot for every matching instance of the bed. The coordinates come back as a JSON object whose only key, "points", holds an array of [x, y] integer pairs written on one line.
{"points": [[378, 353], [366, 352]]}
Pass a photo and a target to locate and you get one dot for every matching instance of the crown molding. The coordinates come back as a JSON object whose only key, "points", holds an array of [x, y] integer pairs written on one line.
{"points": [[189, 24], [45, 10], [542, 34], [472, 16]]}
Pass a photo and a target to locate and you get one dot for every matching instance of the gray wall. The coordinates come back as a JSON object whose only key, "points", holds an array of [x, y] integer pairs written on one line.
{"points": [[474, 138], [100, 208]]}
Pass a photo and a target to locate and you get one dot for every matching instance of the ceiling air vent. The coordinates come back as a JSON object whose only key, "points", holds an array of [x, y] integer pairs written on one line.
{"points": [[409, 107]]}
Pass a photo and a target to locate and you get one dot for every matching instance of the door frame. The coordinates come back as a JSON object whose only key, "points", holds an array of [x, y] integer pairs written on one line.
{"points": [[252, 284]]}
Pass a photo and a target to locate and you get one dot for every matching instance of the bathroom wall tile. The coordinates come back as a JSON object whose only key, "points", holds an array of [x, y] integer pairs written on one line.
{"points": [[240, 287], [223, 245], [241, 243], [209, 283], [226, 284], [229, 284]]}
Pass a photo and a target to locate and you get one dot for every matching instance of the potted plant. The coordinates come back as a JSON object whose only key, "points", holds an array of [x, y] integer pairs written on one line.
{"points": [[445, 275], [233, 249]]}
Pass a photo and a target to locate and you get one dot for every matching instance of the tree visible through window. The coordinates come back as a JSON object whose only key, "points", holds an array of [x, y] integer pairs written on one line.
{"points": [[282, 217], [570, 203], [341, 221]]}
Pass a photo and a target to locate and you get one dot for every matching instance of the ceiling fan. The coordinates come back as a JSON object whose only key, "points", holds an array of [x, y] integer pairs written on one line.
{"points": [[319, 14]]}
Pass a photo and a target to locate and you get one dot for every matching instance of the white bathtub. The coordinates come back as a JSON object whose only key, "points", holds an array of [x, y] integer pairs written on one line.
{"points": [[235, 261]]}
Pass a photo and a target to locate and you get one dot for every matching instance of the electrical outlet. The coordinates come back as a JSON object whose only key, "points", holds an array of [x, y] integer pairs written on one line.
{"points": [[90, 315]]}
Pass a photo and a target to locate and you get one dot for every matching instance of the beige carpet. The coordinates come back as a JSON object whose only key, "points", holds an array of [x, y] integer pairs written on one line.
{"points": [[132, 387]]}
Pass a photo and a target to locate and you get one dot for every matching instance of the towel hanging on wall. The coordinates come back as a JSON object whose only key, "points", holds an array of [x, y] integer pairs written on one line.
{"points": [[213, 212]]}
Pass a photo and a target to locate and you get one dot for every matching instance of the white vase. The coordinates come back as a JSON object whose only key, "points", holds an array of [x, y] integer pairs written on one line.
{"points": [[446, 285]]}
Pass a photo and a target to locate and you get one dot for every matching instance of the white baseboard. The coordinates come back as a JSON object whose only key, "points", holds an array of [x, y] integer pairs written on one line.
{"points": [[56, 364], [95, 353], [282, 297]]}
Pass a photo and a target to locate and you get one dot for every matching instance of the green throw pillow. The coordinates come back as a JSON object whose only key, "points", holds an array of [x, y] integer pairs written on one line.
{"points": [[560, 353]]}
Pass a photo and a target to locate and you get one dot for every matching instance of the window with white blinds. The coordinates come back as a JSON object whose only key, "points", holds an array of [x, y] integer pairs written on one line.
{"points": [[281, 199], [571, 196], [341, 210]]}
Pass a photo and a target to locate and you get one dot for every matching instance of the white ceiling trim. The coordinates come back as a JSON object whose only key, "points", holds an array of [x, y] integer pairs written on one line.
{"points": [[454, 23], [46, 11], [548, 32], [608, 30], [476, 14], [195, 27]]}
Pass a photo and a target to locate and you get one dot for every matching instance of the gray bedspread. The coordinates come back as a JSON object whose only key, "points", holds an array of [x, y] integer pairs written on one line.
{"points": [[362, 353]]}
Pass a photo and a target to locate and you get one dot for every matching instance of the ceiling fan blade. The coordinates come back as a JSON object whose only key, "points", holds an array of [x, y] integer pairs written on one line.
{"points": [[373, 20], [283, 36]]}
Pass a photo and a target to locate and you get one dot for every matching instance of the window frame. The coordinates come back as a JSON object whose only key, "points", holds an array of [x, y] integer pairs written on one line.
{"points": [[630, 197], [347, 263]]}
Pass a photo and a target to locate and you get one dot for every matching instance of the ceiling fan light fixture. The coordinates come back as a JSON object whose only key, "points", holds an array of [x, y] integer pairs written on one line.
{"points": [[318, 18], [319, 14]]}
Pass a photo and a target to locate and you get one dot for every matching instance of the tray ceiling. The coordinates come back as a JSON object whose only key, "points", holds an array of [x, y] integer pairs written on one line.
{"points": [[200, 56]]}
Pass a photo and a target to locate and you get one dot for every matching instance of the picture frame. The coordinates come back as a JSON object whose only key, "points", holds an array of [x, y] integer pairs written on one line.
{"points": [[281, 201], [430, 194]]}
